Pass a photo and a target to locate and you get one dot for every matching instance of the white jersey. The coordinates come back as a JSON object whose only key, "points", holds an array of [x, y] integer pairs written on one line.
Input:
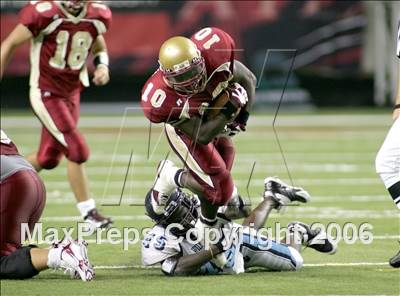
{"points": [[160, 248]]}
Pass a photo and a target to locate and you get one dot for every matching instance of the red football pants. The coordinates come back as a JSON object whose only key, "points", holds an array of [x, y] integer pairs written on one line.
{"points": [[23, 197]]}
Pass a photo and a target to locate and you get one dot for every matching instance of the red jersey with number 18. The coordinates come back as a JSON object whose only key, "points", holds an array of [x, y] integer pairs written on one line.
{"points": [[161, 103], [61, 44]]}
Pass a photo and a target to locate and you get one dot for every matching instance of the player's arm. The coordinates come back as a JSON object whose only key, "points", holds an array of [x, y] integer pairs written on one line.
{"points": [[101, 61], [203, 132], [246, 78], [190, 264], [17, 37]]}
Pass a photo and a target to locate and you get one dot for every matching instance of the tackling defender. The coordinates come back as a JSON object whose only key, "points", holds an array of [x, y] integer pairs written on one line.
{"points": [[194, 74], [388, 158], [62, 34], [23, 197], [190, 257]]}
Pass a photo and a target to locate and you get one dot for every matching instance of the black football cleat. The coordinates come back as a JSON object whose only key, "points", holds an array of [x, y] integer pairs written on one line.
{"points": [[284, 194], [395, 260], [237, 208], [313, 238], [95, 219]]}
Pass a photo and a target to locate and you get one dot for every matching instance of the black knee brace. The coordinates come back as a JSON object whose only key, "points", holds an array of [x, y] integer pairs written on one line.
{"points": [[18, 265]]}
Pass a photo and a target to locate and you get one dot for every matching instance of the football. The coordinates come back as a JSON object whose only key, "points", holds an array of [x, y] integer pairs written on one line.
{"points": [[217, 104]]}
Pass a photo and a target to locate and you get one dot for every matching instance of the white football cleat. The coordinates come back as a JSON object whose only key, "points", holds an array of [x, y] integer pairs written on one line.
{"points": [[165, 180], [73, 259], [96, 220], [283, 193]]}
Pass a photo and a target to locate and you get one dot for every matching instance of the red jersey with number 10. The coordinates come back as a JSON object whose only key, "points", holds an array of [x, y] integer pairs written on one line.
{"points": [[161, 103], [61, 44]]}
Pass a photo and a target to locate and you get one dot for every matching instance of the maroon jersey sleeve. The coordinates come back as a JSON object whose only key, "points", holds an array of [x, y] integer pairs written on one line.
{"points": [[101, 14], [217, 48], [161, 103], [37, 16]]}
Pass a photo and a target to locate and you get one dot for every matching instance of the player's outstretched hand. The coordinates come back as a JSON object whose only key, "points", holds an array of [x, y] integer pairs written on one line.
{"points": [[101, 75]]}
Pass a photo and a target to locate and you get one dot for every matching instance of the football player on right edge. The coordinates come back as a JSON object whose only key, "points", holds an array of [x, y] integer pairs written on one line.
{"points": [[388, 158]]}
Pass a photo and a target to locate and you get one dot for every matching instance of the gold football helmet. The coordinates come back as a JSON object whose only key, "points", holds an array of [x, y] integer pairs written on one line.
{"points": [[182, 65]]}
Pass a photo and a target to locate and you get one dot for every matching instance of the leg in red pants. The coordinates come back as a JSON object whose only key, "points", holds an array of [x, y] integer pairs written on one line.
{"points": [[23, 197]]}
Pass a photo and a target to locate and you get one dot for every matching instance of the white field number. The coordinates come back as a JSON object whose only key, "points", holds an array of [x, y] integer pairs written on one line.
{"points": [[202, 34], [158, 97], [80, 45]]}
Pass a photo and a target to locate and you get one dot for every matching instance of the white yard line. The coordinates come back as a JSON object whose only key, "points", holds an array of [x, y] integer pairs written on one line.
{"points": [[57, 185], [150, 169], [322, 214], [377, 237], [333, 264], [331, 120], [56, 197]]}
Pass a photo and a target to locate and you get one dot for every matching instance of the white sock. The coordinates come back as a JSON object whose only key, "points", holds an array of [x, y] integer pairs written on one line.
{"points": [[54, 257], [168, 185], [208, 222], [86, 206]]}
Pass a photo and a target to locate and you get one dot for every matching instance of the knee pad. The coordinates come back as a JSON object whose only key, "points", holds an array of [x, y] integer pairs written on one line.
{"points": [[77, 150], [49, 159], [18, 265]]}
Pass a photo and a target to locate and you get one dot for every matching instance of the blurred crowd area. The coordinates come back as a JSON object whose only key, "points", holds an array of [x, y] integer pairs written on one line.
{"points": [[337, 39]]}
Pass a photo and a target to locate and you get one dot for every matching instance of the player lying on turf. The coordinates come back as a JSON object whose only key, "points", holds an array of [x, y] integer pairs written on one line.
{"points": [[189, 258], [62, 34], [194, 74], [23, 197]]}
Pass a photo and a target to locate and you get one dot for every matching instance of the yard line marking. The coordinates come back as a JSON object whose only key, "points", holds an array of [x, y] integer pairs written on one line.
{"points": [[105, 241], [333, 264], [346, 264], [56, 197], [322, 215], [322, 120], [149, 169], [297, 182]]}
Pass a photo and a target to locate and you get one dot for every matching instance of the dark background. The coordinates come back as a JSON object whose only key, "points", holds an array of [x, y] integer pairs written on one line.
{"points": [[325, 38]]}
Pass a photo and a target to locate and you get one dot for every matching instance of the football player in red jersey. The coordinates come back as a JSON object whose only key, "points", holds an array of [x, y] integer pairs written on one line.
{"points": [[195, 72], [23, 197], [62, 35]]}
